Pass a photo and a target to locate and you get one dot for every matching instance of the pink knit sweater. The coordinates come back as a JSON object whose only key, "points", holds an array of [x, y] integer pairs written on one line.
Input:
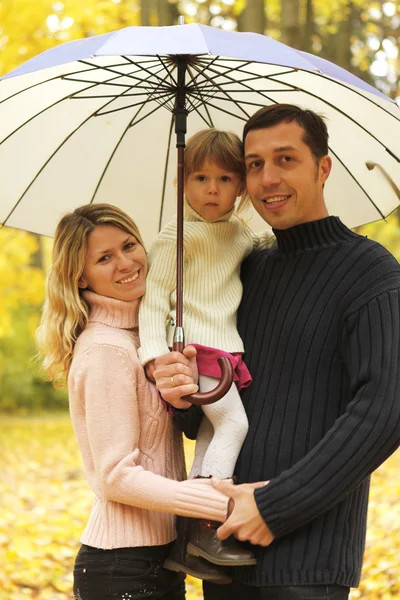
{"points": [[131, 449]]}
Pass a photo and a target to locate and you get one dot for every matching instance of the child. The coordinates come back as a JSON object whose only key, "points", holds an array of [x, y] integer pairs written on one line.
{"points": [[131, 450], [216, 241]]}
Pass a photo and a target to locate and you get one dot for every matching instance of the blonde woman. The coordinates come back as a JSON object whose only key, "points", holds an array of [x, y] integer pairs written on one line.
{"points": [[215, 244], [131, 450]]}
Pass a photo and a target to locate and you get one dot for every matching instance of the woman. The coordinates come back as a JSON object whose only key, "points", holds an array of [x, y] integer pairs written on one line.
{"points": [[132, 453]]}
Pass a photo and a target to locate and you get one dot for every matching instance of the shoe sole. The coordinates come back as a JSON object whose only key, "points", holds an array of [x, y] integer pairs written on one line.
{"points": [[178, 568], [195, 551]]}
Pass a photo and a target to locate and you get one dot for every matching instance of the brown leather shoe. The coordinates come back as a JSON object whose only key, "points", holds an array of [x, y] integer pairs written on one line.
{"points": [[203, 542], [182, 562]]}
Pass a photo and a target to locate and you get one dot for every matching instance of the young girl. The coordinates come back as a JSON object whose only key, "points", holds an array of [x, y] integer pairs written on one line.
{"points": [[216, 241], [132, 453]]}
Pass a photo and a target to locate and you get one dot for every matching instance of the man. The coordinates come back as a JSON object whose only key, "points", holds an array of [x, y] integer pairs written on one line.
{"points": [[320, 321]]}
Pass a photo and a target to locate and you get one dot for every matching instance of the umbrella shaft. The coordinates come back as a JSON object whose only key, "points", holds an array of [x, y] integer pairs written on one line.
{"points": [[179, 245]]}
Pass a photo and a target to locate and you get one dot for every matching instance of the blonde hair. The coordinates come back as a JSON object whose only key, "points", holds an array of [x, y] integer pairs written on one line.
{"points": [[221, 147], [66, 312]]}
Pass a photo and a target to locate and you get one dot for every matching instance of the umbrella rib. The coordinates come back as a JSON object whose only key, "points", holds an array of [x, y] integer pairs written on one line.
{"points": [[245, 102], [243, 84], [245, 118], [164, 186], [332, 80], [100, 112], [168, 70], [153, 92], [93, 67], [337, 109], [207, 64], [110, 82], [153, 111], [129, 75], [316, 73], [48, 160], [357, 182], [297, 88], [195, 108], [147, 70], [116, 96], [40, 113], [131, 124], [244, 64], [352, 89], [235, 81], [226, 94], [204, 104]]}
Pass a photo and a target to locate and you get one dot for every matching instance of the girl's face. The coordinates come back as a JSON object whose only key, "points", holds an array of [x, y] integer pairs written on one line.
{"points": [[115, 264], [212, 191]]}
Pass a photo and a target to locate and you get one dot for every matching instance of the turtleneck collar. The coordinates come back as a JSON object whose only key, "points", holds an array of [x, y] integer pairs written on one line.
{"points": [[192, 215], [112, 312], [313, 235]]}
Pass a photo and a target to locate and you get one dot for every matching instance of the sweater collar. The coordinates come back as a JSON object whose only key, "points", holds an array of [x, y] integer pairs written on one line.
{"points": [[315, 234], [192, 215], [112, 312]]}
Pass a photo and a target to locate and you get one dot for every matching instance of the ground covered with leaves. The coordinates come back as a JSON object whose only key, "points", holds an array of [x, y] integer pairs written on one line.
{"points": [[45, 502]]}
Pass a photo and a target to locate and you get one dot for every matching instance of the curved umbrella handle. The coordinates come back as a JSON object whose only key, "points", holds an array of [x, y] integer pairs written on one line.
{"points": [[224, 385]]}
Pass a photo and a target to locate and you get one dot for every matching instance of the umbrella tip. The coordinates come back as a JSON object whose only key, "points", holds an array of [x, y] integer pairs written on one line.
{"points": [[181, 20]]}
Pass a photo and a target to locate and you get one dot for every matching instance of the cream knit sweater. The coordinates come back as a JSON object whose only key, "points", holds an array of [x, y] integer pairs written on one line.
{"points": [[132, 452], [213, 253]]}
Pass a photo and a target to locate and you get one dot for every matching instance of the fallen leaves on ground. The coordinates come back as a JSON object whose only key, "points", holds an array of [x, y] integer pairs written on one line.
{"points": [[45, 502]]}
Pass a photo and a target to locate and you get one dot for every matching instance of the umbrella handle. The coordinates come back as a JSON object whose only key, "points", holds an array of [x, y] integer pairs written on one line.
{"points": [[223, 387]]}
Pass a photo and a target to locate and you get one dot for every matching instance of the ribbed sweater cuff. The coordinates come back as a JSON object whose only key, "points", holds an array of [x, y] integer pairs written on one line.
{"points": [[151, 350], [198, 499], [275, 524]]}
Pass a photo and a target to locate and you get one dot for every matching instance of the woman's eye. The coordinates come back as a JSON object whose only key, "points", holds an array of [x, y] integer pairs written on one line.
{"points": [[129, 246], [104, 258]]}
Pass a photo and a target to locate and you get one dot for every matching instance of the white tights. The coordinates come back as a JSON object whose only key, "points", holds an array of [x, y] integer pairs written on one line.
{"points": [[221, 433]]}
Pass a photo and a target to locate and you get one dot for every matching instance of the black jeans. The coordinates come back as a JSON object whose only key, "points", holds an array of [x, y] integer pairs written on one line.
{"points": [[239, 591], [126, 573]]}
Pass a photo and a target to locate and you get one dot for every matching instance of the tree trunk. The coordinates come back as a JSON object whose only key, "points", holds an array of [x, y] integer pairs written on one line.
{"points": [[290, 23], [343, 39], [145, 11], [309, 27], [252, 17], [167, 13]]}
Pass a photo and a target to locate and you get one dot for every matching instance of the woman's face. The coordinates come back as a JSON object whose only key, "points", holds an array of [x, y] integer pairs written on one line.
{"points": [[115, 264]]}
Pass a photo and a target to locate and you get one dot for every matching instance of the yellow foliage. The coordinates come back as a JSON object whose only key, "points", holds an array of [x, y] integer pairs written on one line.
{"points": [[385, 232], [20, 283], [45, 503], [28, 28]]}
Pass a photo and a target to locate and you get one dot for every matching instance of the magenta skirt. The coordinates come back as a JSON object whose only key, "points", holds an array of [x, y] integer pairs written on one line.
{"points": [[207, 364]]}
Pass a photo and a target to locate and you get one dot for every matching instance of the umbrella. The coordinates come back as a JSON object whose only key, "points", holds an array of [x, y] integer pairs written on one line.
{"points": [[85, 122]]}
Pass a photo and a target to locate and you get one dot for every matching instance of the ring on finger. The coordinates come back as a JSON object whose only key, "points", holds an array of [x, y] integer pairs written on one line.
{"points": [[173, 382]]}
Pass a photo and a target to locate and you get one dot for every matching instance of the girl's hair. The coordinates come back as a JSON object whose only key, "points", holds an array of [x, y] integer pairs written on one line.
{"points": [[65, 313], [221, 147]]}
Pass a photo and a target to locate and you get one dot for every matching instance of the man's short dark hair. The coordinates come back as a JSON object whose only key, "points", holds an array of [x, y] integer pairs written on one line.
{"points": [[315, 129]]}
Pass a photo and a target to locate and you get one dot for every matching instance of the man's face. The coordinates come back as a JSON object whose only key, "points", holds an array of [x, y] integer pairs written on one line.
{"points": [[283, 179]]}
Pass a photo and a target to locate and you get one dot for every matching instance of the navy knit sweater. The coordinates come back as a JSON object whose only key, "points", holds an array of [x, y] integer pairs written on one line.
{"points": [[320, 321]]}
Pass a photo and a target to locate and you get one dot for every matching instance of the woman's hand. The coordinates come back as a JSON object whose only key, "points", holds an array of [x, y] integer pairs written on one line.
{"points": [[174, 374]]}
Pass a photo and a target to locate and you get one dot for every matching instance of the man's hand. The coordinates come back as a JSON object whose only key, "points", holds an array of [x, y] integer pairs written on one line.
{"points": [[174, 374], [245, 521]]}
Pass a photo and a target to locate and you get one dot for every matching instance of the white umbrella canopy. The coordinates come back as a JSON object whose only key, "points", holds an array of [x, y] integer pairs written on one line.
{"points": [[87, 122]]}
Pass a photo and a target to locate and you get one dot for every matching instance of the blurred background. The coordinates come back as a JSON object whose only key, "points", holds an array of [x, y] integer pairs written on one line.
{"points": [[44, 498]]}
